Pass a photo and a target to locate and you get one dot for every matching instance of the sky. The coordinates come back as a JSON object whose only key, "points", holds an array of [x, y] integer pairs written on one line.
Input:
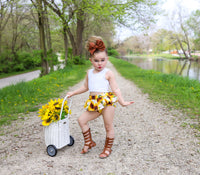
{"points": [[169, 6]]}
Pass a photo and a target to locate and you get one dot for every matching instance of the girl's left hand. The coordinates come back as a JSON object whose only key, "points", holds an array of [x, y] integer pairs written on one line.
{"points": [[69, 94]]}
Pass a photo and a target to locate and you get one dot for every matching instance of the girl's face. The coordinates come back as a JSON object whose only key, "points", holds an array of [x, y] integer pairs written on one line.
{"points": [[99, 61]]}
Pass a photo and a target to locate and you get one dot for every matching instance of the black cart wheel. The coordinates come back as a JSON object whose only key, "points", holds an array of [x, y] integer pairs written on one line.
{"points": [[51, 150], [71, 141]]}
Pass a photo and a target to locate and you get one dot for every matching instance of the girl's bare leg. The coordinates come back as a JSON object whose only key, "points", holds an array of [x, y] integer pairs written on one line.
{"points": [[108, 117], [83, 122]]}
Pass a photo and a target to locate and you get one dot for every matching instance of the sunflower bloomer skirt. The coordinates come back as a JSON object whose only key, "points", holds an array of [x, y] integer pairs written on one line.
{"points": [[98, 102]]}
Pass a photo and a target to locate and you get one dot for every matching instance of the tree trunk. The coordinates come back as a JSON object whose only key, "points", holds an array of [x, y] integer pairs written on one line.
{"points": [[76, 42], [65, 41], [0, 40], [4, 17], [180, 43], [72, 40], [79, 32], [187, 40], [77, 46], [1, 20], [48, 36], [48, 31], [45, 66], [14, 31]]}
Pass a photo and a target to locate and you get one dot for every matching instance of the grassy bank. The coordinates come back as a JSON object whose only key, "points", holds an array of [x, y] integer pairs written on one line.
{"points": [[163, 55], [29, 96], [171, 90]]}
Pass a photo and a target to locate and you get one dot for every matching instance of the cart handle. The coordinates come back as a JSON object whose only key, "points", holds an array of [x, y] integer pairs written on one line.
{"points": [[70, 103]]}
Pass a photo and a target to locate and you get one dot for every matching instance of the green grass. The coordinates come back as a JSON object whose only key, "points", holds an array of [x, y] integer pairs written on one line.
{"points": [[29, 96], [162, 55], [171, 90]]}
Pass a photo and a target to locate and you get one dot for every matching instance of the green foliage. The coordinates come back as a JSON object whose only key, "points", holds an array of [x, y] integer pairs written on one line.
{"points": [[171, 90], [162, 40], [78, 60], [69, 53], [112, 52], [29, 96], [19, 61], [193, 22], [52, 57]]}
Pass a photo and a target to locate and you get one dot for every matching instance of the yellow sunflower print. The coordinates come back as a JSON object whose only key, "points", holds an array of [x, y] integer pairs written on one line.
{"points": [[98, 102]]}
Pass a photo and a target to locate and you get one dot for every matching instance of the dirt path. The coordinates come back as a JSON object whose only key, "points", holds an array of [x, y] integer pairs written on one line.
{"points": [[149, 141], [19, 78]]}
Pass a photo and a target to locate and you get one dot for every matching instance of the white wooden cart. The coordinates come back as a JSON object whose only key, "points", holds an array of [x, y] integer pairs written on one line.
{"points": [[57, 134]]}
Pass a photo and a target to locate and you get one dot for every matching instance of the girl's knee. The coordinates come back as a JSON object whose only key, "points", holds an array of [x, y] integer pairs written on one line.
{"points": [[80, 121]]}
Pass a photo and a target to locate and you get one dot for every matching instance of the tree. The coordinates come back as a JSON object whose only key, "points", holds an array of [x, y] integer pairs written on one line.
{"points": [[194, 22], [76, 13], [39, 5], [136, 44], [178, 24], [60, 10], [19, 17], [159, 41], [4, 17]]}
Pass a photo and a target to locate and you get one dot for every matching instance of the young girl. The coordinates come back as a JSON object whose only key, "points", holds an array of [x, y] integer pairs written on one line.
{"points": [[104, 93]]}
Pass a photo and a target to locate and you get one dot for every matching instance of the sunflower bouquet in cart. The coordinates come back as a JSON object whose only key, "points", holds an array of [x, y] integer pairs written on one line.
{"points": [[51, 112]]}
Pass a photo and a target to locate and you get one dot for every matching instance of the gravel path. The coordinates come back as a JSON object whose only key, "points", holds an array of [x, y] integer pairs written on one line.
{"points": [[149, 141]]}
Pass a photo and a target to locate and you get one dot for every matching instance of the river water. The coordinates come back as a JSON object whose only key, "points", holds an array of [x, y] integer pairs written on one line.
{"points": [[191, 68]]}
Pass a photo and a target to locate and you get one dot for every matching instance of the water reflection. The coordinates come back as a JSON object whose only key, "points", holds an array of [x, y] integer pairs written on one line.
{"points": [[168, 66]]}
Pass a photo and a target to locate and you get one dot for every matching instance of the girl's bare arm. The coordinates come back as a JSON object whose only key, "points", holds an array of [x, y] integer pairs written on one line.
{"points": [[111, 78]]}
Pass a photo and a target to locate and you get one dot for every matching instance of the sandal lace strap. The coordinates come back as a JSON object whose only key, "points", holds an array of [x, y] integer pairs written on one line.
{"points": [[109, 142], [88, 139], [107, 148]]}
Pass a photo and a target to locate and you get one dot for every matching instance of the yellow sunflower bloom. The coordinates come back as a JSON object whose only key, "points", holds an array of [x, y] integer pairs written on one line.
{"points": [[51, 111], [46, 122], [56, 117]]}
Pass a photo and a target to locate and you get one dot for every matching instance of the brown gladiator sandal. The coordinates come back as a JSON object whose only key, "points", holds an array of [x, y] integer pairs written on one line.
{"points": [[88, 141], [107, 148]]}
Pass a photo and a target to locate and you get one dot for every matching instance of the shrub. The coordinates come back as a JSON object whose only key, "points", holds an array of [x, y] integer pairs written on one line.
{"points": [[112, 52], [18, 67], [78, 60], [21, 61]]}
